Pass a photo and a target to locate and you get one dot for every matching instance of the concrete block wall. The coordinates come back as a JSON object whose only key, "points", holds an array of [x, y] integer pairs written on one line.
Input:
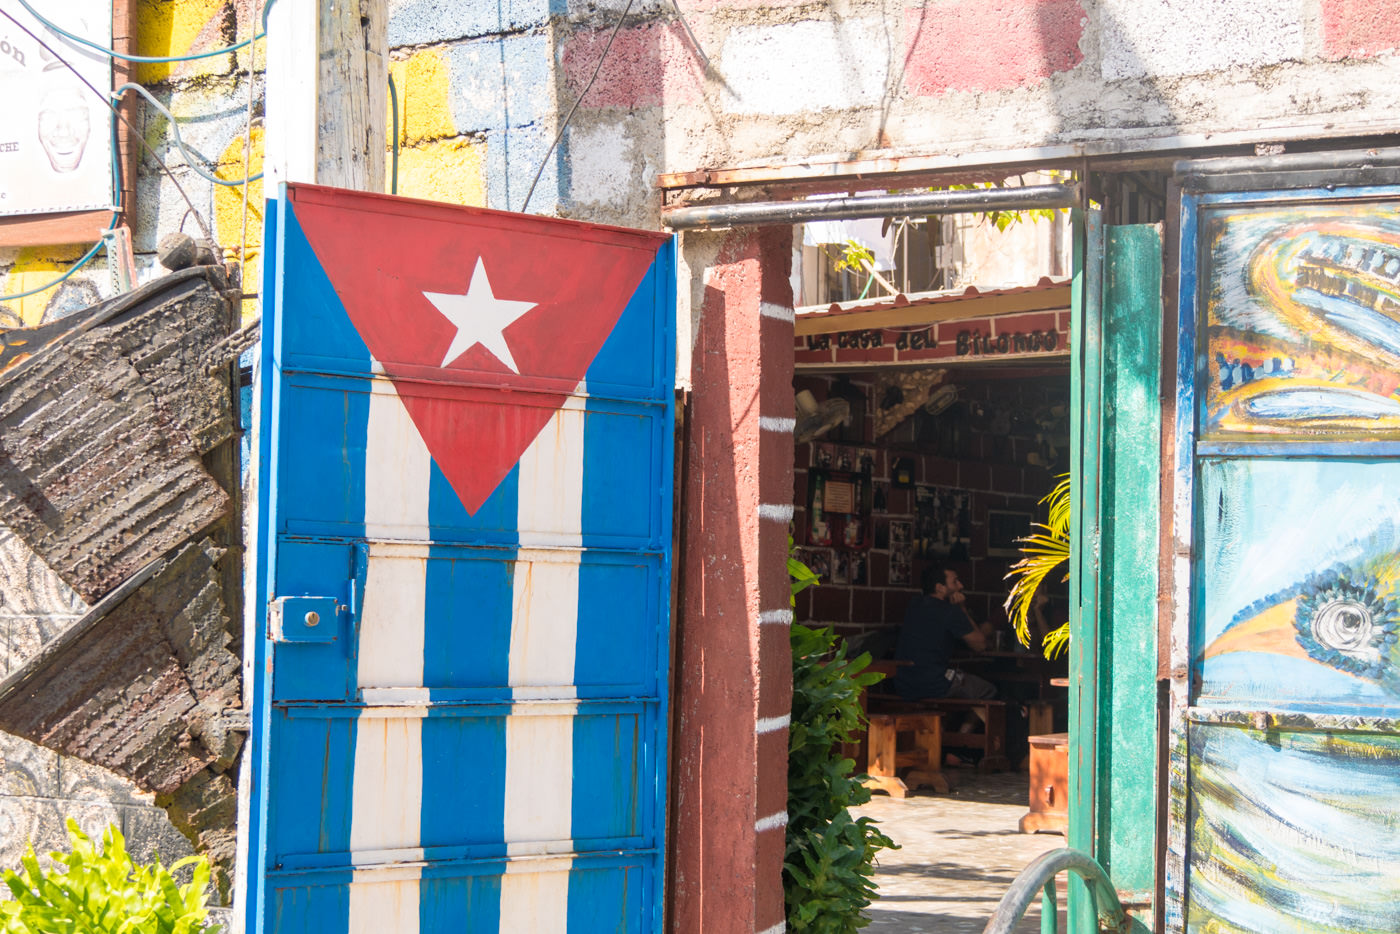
{"points": [[209, 100]]}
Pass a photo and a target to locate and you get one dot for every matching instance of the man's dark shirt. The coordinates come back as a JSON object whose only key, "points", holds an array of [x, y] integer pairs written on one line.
{"points": [[933, 629]]}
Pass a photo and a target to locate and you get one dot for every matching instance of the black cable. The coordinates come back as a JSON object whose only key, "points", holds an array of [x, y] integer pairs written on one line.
{"points": [[579, 100], [107, 99]]}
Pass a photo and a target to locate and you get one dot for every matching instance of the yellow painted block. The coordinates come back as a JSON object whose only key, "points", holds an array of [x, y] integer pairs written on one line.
{"points": [[228, 215], [179, 27], [424, 86], [450, 170], [31, 270]]}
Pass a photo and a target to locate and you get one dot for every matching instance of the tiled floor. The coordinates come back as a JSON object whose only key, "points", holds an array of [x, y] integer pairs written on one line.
{"points": [[960, 853]]}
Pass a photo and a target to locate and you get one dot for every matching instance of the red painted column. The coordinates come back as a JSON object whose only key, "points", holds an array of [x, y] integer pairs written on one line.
{"points": [[733, 661]]}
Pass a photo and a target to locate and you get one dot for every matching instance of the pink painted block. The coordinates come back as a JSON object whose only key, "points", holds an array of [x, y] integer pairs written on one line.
{"points": [[1359, 28], [646, 67], [990, 45]]}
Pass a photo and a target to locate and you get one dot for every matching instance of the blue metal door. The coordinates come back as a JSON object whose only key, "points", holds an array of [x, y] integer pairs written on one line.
{"points": [[464, 557], [1286, 689]]}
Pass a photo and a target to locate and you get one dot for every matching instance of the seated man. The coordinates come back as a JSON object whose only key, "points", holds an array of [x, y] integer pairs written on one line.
{"points": [[936, 626]]}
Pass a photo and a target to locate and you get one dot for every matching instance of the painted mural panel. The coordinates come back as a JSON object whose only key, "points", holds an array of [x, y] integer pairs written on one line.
{"points": [[1301, 320], [1293, 832], [1300, 603]]}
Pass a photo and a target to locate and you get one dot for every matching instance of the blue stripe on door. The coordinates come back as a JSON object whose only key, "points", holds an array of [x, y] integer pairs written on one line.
{"points": [[319, 335], [320, 490], [604, 898], [460, 904], [467, 647]]}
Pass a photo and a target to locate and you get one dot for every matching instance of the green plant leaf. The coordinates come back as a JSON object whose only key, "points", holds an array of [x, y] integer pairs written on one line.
{"points": [[91, 891]]}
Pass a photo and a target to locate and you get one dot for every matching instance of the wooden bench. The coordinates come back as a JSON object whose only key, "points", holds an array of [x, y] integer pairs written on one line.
{"points": [[991, 742], [884, 758]]}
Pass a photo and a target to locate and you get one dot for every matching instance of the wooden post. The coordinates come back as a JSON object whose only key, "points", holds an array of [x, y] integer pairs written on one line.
{"points": [[326, 90]]}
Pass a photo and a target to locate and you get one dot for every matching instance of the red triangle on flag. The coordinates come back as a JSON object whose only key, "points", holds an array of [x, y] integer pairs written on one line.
{"points": [[458, 303]]}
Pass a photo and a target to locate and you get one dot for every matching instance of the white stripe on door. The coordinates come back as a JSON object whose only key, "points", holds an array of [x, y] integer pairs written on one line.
{"points": [[387, 793], [544, 632]]}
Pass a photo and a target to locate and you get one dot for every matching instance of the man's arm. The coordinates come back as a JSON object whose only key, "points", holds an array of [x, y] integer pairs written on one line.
{"points": [[978, 635]]}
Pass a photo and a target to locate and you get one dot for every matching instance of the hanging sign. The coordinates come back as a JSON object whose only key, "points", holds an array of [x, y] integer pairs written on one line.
{"points": [[1027, 334], [55, 133]]}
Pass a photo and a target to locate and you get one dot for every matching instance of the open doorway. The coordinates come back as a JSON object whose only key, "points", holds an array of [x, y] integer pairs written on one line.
{"points": [[930, 427]]}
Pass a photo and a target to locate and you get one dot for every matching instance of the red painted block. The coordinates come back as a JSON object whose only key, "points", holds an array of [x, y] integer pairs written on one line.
{"points": [[990, 45], [646, 67], [1359, 28], [867, 355], [879, 570], [940, 470], [1006, 479], [813, 356], [1035, 321]]}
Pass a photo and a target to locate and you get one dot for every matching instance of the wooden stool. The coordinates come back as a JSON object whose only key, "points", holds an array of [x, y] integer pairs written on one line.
{"points": [[885, 758], [991, 741], [1049, 784]]}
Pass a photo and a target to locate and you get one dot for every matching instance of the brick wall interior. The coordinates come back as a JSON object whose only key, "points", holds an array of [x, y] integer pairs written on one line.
{"points": [[984, 446]]}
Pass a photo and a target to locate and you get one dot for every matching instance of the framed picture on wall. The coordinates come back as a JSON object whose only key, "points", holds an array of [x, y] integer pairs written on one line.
{"points": [[901, 566]]}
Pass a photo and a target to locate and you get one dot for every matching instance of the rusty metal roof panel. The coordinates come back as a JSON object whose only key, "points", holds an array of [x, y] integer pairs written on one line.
{"points": [[131, 685], [102, 427]]}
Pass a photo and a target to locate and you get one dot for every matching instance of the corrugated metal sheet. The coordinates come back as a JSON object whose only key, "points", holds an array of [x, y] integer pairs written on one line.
{"points": [[101, 431], [119, 469]]}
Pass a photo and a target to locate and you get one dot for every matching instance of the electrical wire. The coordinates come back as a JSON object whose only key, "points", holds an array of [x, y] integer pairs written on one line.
{"points": [[394, 109], [86, 258], [180, 143], [248, 157], [111, 102], [111, 105], [147, 59], [579, 100]]}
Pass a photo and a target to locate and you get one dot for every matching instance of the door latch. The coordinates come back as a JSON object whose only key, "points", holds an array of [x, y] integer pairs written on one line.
{"points": [[305, 619]]}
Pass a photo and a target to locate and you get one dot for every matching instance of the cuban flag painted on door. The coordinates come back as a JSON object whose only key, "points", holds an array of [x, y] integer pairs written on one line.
{"points": [[465, 488]]}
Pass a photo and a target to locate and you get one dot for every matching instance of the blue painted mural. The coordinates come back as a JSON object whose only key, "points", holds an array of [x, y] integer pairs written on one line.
{"points": [[1299, 599], [1293, 832], [1302, 320], [1286, 769]]}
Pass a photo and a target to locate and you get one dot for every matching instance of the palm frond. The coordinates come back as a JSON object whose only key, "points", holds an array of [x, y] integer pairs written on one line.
{"points": [[1056, 641], [1043, 551]]}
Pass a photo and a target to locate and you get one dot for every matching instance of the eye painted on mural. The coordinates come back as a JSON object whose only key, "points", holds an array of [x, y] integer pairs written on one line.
{"points": [[1346, 618], [1304, 323], [1349, 626]]}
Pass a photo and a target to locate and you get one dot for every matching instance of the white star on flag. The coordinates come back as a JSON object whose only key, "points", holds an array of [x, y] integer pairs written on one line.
{"points": [[479, 317]]}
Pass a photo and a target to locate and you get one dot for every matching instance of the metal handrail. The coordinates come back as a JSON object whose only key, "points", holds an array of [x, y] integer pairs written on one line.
{"points": [[1040, 875]]}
